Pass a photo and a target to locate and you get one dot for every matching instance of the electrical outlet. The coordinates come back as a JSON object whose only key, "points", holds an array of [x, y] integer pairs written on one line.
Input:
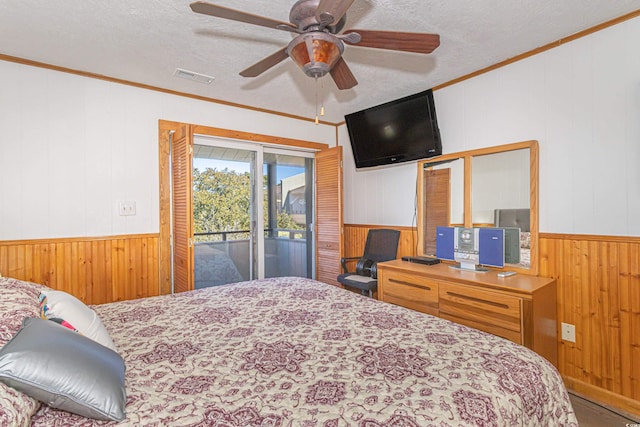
{"points": [[568, 332], [127, 208]]}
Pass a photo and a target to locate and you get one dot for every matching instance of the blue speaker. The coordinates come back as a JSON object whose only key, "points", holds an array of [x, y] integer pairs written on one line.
{"points": [[444, 243], [491, 246]]}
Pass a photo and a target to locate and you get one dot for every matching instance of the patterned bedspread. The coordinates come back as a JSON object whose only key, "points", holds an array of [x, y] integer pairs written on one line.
{"points": [[296, 352]]}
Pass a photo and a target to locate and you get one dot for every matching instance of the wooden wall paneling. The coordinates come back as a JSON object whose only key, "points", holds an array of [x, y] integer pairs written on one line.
{"points": [[78, 275], [58, 273], [39, 269], [116, 269], [598, 292], [4, 256], [6, 268], [135, 259], [128, 268], [108, 271], [354, 240], [95, 270], [630, 320], [584, 281], [610, 309], [574, 305], [153, 255], [131, 249], [99, 291]]}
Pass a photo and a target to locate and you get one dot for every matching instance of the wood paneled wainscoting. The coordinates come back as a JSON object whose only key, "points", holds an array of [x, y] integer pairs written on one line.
{"points": [[598, 292], [94, 269]]}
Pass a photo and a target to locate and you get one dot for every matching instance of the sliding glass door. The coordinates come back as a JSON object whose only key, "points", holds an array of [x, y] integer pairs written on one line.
{"points": [[288, 198], [252, 212]]}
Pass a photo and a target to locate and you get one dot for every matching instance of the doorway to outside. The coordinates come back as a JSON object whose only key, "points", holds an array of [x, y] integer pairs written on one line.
{"points": [[252, 212]]}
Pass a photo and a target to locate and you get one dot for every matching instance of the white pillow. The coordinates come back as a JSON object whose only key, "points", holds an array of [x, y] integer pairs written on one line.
{"points": [[60, 305]]}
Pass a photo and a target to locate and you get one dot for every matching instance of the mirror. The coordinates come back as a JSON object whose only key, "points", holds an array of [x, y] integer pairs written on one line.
{"points": [[493, 186], [443, 191], [500, 198]]}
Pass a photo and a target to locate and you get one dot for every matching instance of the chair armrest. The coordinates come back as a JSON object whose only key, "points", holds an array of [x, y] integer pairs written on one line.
{"points": [[374, 270], [343, 262]]}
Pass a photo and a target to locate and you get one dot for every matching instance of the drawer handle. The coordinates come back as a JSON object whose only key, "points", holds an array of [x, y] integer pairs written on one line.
{"points": [[402, 282], [483, 301]]}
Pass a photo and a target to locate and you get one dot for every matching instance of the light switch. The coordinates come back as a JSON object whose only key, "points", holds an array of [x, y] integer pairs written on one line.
{"points": [[127, 208]]}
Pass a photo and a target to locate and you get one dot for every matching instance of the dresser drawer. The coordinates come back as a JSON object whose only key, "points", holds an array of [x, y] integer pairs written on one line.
{"points": [[481, 307], [514, 336], [411, 291]]}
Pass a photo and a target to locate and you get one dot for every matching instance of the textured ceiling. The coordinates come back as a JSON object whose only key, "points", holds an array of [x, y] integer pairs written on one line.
{"points": [[145, 41]]}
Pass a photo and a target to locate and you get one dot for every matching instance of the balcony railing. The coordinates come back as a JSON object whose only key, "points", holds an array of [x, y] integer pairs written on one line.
{"points": [[223, 256], [223, 236]]}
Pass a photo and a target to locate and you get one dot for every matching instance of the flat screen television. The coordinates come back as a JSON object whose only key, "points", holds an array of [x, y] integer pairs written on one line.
{"points": [[398, 131]]}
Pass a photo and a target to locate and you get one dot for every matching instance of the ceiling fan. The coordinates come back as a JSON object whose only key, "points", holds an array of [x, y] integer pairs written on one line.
{"points": [[317, 46]]}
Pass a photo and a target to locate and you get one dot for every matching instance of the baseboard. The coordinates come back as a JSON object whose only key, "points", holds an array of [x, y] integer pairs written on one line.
{"points": [[625, 406]]}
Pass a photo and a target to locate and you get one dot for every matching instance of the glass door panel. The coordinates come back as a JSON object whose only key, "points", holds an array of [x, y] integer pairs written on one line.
{"points": [[224, 215], [288, 214], [252, 212]]}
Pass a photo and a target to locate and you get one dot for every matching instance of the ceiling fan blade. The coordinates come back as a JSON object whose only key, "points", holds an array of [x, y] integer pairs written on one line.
{"points": [[342, 75], [331, 11], [396, 40], [266, 63], [206, 8]]}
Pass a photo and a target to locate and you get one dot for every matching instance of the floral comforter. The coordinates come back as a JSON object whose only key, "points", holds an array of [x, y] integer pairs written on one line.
{"points": [[297, 352]]}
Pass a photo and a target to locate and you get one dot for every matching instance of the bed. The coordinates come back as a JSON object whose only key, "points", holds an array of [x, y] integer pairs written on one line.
{"points": [[297, 352]]}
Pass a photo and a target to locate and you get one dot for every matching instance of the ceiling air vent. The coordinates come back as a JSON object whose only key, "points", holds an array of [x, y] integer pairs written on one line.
{"points": [[190, 75]]}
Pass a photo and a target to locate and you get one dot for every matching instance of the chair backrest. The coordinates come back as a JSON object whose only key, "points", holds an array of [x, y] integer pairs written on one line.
{"points": [[381, 245]]}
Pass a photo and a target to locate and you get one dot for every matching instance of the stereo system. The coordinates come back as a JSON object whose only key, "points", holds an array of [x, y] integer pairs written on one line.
{"points": [[474, 247]]}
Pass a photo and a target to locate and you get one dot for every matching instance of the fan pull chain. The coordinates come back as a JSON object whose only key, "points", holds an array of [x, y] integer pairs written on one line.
{"points": [[317, 121], [322, 97]]}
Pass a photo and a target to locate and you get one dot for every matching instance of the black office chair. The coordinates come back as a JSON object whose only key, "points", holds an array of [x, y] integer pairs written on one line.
{"points": [[381, 245]]}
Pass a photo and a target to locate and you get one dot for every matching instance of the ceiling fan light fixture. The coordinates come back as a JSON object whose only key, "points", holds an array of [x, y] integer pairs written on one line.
{"points": [[315, 52]]}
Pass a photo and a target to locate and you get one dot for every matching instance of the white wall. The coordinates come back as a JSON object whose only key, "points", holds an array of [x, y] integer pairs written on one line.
{"points": [[72, 148], [383, 195], [581, 101]]}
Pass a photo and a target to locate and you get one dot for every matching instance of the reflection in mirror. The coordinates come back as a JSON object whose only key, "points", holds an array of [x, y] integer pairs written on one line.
{"points": [[501, 198], [492, 186], [443, 198]]}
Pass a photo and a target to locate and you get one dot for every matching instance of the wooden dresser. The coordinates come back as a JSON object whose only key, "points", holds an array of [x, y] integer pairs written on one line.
{"points": [[520, 308]]}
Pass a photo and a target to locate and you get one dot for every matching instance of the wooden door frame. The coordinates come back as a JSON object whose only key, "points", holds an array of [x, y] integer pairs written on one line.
{"points": [[165, 129]]}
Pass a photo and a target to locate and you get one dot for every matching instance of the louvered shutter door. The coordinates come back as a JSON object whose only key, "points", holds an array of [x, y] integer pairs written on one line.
{"points": [[182, 210], [329, 214]]}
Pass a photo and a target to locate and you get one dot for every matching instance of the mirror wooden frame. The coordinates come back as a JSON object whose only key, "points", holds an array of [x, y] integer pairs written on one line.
{"points": [[467, 156]]}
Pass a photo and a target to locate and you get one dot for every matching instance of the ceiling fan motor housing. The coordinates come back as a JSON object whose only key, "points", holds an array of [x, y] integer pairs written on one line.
{"points": [[315, 52], [303, 16]]}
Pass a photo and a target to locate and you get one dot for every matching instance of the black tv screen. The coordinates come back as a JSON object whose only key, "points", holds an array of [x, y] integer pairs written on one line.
{"points": [[398, 131]]}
